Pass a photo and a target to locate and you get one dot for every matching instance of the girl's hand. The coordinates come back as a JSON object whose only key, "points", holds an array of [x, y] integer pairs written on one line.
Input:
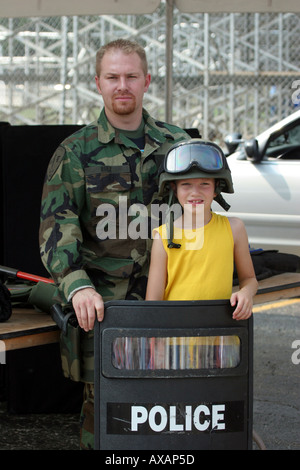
{"points": [[244, 304]]}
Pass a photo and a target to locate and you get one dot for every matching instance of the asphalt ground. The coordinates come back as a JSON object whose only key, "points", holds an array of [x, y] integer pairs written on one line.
{"points": [[276, 404], [276, 401]]}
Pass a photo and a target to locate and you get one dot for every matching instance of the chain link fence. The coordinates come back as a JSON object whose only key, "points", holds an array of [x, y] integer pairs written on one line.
{"points": [[233, 72]]}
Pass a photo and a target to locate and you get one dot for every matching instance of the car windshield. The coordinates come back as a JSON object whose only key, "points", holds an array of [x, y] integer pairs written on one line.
{"points": [[284, 143]]}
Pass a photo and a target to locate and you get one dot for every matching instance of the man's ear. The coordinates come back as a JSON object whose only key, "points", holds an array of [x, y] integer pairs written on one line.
{"points": [[147, 82], [98, 84]]}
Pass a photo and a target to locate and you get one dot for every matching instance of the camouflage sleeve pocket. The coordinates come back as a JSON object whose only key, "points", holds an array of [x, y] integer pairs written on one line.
{"points": [[104, 178]]}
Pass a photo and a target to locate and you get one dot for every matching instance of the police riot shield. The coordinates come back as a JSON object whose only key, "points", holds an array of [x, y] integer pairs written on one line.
{"points": [[173, 375]]}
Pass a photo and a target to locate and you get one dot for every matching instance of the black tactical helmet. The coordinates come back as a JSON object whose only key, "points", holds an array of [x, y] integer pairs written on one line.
{"points": [[194, 158]]}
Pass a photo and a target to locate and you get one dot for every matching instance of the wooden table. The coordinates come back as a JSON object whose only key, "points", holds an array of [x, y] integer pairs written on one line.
{"points": [[282, 286], [27, 327]]}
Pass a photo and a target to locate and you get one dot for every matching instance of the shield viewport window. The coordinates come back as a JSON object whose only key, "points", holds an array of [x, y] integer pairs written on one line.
{"points": [[176, 353]]}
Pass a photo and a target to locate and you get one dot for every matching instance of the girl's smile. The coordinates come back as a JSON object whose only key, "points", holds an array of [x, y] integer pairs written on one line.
{"points": [[195, 191]]}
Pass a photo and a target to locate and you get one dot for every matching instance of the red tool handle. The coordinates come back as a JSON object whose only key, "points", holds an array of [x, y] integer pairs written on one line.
{"points": [[32, 277], [29, 277]]}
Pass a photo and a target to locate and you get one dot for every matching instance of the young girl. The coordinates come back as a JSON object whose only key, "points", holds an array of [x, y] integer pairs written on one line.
{"points": [[193, 258]]}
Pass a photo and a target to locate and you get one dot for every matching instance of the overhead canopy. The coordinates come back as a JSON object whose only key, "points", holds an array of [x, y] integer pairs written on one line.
{"points": [[23, 8], [235, 6]]}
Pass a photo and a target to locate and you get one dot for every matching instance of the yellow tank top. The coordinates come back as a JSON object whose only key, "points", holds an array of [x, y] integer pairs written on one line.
{"points": [[202, 268]]}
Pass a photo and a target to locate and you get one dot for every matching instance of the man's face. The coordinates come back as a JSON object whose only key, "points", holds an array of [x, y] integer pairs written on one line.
{"points": [[122, 84]]}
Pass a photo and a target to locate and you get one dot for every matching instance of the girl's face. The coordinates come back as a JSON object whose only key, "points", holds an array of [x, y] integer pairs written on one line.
{"points": [[195, 195], [193, 192]]}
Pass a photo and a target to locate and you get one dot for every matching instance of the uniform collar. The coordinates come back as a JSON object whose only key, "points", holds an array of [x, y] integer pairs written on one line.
{"points": [[155, 132]]}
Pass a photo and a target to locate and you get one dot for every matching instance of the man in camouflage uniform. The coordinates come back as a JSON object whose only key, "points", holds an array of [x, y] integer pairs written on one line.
{"points": [[113, 159]]}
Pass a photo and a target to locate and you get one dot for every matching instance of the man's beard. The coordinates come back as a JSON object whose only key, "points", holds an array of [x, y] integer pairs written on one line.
{"points": [[124, 108]]}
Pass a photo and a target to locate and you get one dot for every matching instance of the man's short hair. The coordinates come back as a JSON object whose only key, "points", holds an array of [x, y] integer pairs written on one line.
{"points": [[127, 47]]}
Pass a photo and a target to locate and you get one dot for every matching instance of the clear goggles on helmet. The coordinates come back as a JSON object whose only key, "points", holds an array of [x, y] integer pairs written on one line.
{"points": [[205, 156]]}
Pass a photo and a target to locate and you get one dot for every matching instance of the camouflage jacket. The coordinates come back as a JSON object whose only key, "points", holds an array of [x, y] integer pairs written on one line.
{"points": [[91, 171]]}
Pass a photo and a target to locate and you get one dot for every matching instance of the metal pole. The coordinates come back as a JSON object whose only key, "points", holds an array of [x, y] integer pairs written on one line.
{"points": [[169, 61], [75, 70], [280, 42], [206, 77], [256, 72], [10, 85], [231, 71], [63, 72]]}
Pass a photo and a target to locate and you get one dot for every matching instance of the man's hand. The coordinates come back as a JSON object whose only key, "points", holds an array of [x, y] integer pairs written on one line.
{"points": [[87, 303]]}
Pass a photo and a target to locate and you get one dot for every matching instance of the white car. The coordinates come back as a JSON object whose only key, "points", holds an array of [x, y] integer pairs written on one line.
{"points": [[266, 179]]}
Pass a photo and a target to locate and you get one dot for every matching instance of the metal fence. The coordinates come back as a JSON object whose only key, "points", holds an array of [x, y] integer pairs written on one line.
{"points": [[231, 72]]}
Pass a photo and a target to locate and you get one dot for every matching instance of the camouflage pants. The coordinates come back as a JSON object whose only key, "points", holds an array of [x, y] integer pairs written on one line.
{"points": [[87, 419]]}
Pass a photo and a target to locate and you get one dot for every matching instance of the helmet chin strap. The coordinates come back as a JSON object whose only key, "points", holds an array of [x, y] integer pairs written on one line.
{"points": [[220, 200], [170, 222], [170, 231]]}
